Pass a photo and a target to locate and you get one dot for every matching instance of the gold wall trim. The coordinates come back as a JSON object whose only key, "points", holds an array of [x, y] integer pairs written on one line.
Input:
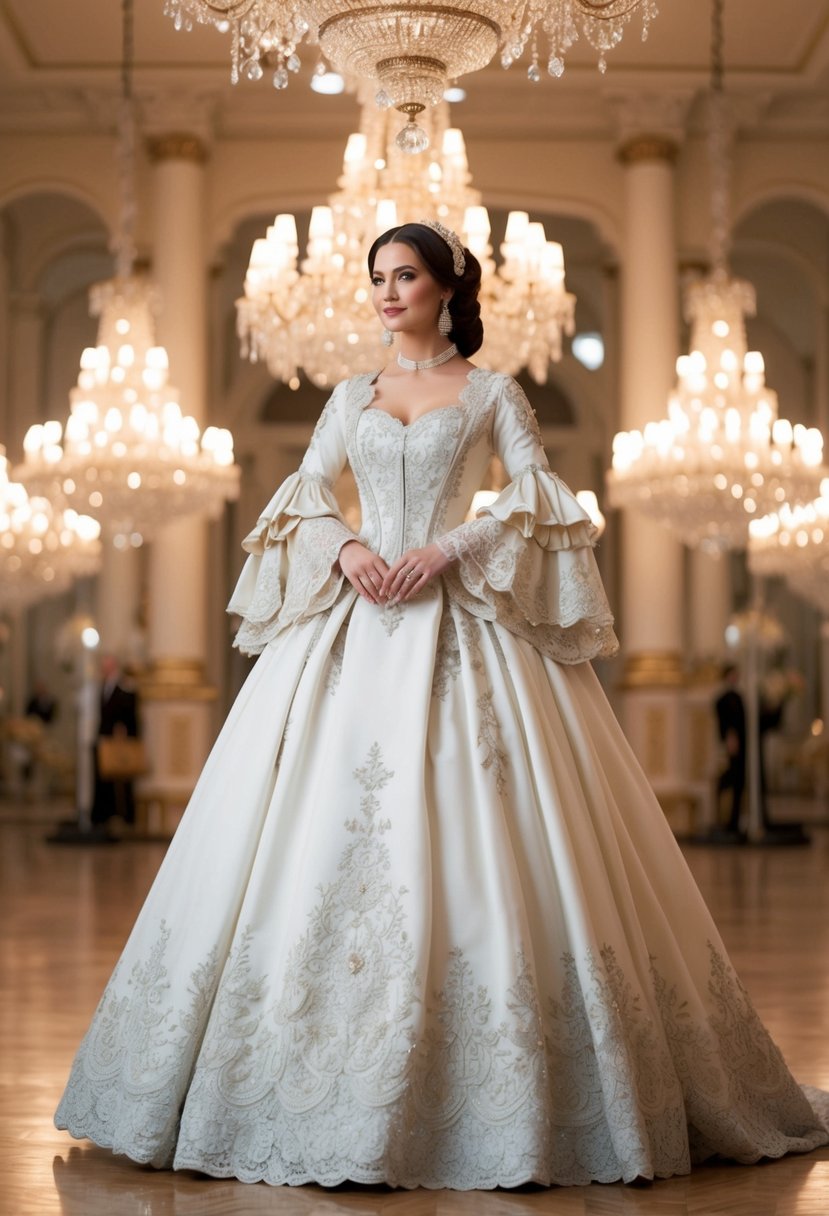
{"points": [[177, 146], [648, 147], [176, 680], [654, 669]]}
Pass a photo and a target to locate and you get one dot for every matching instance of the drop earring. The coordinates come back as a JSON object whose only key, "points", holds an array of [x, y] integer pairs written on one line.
{"points": [[445, 320], [388, 338]]}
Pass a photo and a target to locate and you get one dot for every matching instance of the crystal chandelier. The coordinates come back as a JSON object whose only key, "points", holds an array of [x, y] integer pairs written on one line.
{"points": [[41, 549], [319, 316], [410, 50], [127, 455], [794, 543], [722, 456]]}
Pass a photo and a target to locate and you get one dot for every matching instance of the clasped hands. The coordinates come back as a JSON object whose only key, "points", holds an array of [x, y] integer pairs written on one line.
{"points": [[379, 583]]}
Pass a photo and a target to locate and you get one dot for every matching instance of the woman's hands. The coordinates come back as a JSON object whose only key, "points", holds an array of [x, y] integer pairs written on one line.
{"points": [[378, 584], [364, 570], [412, 572]]}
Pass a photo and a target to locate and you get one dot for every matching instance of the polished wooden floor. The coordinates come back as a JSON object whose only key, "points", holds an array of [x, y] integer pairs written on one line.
{"points": [[65, 912]]}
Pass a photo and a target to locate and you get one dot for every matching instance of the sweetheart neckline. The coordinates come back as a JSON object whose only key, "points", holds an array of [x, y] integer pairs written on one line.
{"points": [[407, 426]]}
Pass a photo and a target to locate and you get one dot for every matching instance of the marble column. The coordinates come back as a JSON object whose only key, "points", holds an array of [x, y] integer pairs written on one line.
{"points": [[652, 574], [177, 701]]}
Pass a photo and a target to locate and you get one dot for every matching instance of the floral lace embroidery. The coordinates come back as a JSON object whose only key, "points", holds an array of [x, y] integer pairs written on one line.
{"points": [[390, 617], [554, 600], [489, 731], [327, 1080], [131, 1071], [306, 467], [479, 408], [359, 393], [525, 415], [335, 661], [447, 657]]}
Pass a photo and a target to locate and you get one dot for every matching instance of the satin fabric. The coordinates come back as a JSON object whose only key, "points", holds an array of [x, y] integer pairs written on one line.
{"points": [[423, 921]]}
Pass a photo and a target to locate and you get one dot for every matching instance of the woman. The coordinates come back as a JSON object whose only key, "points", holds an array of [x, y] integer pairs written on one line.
{"points": [[423, 922]]}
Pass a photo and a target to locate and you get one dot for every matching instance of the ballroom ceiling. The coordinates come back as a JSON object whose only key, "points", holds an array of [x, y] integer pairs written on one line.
{"points": [[59, 71]]}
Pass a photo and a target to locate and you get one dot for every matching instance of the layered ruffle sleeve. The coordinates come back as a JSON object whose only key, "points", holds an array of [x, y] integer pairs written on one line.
{"points": [[527, 560], [292, 571]]}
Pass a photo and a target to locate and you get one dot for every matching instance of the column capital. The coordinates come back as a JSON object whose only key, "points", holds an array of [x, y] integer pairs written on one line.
{"points": [[176, 146], [648, 148], [168, 115], [649, 126]]}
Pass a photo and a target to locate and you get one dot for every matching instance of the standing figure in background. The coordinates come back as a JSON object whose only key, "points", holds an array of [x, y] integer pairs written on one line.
{"points": [[118, 717], [731, 720], [41, 703], [41, 709]]}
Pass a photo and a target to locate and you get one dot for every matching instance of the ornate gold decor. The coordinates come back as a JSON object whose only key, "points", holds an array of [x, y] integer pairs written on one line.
{"points": [[176, 146], [646, 148], [653, 669]]}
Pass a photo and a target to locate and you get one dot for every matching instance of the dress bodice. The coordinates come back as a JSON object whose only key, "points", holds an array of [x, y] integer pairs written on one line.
{"points": [[404, 474], [525, 561]]}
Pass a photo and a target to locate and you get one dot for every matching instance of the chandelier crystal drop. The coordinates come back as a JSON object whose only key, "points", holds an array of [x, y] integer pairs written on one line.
{"points": [[42, 549], [793, 543], [410, 51], [316, 314], [127, 455]]}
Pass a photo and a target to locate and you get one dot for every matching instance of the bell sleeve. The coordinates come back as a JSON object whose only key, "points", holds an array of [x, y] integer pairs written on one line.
{"points": [[527, 560], [292, 571]]}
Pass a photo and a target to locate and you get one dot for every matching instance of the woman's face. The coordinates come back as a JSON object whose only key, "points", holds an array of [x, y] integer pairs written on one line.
{"points": [[405, 296]]}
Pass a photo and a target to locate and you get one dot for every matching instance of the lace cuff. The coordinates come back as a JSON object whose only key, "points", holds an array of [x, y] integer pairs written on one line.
{"points": [[527, 563], [291, 572]]}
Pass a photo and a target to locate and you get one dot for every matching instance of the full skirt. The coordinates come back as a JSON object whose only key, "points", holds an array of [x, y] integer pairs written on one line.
{"points": [[424, 923]]}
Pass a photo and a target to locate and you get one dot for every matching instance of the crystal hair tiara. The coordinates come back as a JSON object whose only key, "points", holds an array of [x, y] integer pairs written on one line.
{"points": [[452, 240]]}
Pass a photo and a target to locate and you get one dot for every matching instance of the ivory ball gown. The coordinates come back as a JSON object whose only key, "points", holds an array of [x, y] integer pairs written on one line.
{"points": [[423, 922]]}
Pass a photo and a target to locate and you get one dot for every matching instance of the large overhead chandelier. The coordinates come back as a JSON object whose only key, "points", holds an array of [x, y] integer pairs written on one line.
{"points": [[793, 543], [411, 51], [42, 549], [316, 314], [127, 455], [722, 457]]}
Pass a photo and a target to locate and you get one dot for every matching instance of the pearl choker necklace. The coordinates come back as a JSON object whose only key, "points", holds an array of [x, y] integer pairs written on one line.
{"points": [[420, 365]]}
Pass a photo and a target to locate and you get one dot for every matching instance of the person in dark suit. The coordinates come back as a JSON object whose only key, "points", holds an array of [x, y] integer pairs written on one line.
{"points": [[731, 720], [118, 716]]}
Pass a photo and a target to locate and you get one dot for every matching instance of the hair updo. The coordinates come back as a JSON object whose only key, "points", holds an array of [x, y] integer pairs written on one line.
{"points": [[435, 254]]}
